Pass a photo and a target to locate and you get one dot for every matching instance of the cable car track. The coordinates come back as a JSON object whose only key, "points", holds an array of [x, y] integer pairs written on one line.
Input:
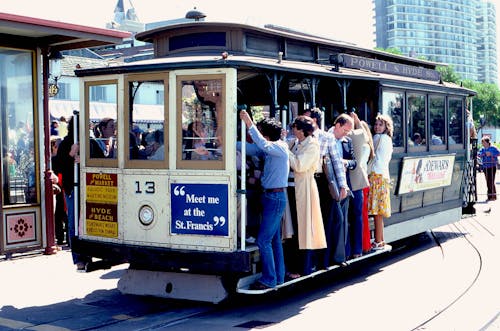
{"points": [[467, 289]]}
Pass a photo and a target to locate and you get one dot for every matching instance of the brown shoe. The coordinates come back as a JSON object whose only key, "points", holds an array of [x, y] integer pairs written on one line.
{"points": [[258, 286]]}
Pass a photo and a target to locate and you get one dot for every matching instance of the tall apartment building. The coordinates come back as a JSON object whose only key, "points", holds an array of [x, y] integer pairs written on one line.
{"points": [[487, 42], [461, 33]]}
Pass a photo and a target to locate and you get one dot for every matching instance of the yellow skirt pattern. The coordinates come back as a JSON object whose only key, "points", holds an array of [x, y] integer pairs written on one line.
{"points": [[379, 199]]}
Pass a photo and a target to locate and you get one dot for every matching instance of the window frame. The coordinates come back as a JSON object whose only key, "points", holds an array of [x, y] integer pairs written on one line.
{"points": [[32, 84], [147, 164], [462, 127], [200, 164], [443, 146], [397, 149], [100, 162], [409, 118]]}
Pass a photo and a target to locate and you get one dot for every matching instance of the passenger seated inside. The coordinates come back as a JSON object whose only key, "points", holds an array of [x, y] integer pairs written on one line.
{"points": [[155, 146], [417, 139], [437, 130], [196, 141], [104, 143], [137, 150], [436, 140]]}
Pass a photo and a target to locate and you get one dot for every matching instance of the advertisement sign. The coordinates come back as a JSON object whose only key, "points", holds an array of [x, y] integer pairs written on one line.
{"points": [[101, 208], [423, 173], [200, 209], [101, 220], [102, 188], [393, 68]]}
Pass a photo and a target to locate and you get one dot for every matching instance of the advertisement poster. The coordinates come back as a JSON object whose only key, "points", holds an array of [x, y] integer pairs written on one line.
{"points": [[101, 210], [423, 173], [199, 209]]}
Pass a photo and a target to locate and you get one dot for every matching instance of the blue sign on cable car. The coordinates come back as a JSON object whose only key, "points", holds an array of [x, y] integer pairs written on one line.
{"points": [[199, 209]]}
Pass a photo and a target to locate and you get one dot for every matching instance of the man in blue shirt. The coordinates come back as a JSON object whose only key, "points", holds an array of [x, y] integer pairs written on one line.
{"points": [[489, 154], [274, 181]]}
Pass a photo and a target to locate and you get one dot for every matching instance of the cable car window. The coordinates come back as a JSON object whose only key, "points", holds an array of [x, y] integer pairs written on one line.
{"points": [[202, 123], [416, 118], [147, 134], [436, 120], [455, 122], [101, 109], [392, 105]]}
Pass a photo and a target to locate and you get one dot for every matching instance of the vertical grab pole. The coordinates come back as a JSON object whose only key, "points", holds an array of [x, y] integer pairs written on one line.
{"points": [[467, 126], [76, 173], [243, 195], [313, 91]]}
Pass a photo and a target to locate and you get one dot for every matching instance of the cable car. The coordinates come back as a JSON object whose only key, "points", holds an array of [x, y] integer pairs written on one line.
{"points": [[166, 195]]}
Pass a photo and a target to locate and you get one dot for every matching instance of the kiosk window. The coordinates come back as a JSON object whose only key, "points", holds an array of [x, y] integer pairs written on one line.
{"points": [[392, 105], [18, 132]]}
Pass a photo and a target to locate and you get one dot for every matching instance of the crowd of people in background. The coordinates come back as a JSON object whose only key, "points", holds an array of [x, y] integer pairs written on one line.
{"points": [[322, 229]]}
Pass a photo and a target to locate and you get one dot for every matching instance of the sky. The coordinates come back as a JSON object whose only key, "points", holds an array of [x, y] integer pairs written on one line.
{"points": [[350, 20], [347, 20]]}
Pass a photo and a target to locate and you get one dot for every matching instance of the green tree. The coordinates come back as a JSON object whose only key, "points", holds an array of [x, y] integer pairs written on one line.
{"points": [[392, 50], [486, 102], [448, 74]]}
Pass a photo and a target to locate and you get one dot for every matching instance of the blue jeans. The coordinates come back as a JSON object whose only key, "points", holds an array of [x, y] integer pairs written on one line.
{"points": [[70, 200], [269, 239]]}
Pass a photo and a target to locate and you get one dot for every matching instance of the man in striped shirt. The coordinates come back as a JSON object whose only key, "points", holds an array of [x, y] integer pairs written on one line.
{"points": [[332, 219]]}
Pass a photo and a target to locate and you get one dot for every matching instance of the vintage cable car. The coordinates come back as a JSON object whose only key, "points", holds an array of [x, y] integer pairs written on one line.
{"points": [[163, 194]]}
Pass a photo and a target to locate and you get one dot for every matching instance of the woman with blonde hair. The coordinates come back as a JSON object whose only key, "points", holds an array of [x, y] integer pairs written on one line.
{"points": [[379, 200]]}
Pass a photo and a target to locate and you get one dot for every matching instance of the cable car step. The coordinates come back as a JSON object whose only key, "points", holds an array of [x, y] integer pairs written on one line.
{"points": [[243, 285]]}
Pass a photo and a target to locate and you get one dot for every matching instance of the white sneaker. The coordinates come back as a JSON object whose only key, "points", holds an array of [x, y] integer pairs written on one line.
{"points": [[378, 246]]}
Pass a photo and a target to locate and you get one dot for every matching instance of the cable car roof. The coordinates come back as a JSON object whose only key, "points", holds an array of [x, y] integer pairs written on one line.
{"points": [[268, 64], [270, 32]]}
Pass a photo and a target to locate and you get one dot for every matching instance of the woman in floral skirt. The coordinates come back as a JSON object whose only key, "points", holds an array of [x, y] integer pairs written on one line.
{"points": [[379, 202]]}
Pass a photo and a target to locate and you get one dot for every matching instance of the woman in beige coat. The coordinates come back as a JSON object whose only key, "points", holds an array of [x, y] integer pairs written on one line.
{"points": [[304, 158]]}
